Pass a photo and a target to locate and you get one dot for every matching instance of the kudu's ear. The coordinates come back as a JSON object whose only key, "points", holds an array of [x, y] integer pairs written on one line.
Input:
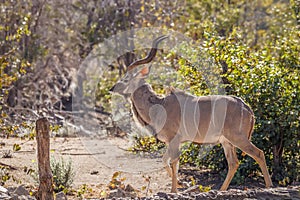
{"points": [[144, 72]]}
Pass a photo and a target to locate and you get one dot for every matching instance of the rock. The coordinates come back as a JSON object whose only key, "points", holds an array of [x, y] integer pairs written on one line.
{"points": [[117, 193], [3, 190], [292, 193], [4, 196], [162, 195], [129, 188], [19, 191], [254, 194], [61, 196], [23, 197], [94, 172]]}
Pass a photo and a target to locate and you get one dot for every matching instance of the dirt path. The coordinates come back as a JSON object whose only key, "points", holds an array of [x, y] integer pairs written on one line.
{"points": [[96, 160]]}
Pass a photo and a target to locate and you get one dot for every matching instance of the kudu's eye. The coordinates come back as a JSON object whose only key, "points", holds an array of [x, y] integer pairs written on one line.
{"points": [[126, 79]]}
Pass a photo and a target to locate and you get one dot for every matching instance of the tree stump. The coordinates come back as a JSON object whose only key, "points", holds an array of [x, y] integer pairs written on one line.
{"points": [[45, 191]]}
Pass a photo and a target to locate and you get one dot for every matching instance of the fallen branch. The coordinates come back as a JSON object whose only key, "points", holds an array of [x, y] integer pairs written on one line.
{"points": [[8, 166], [83, 154]]}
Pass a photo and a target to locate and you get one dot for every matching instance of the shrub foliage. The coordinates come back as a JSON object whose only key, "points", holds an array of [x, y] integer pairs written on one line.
{"points": [[263, 68]]}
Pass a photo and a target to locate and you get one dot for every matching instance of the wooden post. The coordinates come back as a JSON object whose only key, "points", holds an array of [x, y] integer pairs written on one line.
{"points": [[45, 191]]}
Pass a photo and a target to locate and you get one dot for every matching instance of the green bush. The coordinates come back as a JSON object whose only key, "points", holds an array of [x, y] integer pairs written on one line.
{"points": [[262, 67], [148, 144], [247, 49], [63, 174]]}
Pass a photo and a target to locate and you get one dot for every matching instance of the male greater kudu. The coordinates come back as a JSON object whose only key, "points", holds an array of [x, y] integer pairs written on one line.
{"points": [[180, 117]]}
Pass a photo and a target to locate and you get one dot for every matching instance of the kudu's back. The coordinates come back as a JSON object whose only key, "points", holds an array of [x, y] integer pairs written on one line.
{"points": [[202, 119]]}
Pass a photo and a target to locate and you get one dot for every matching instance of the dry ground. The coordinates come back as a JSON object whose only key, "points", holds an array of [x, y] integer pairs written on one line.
{"points": [[96, 160]]}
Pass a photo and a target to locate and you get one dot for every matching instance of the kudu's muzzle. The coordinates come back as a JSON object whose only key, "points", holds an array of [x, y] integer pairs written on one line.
{"points": [[112, 89]]}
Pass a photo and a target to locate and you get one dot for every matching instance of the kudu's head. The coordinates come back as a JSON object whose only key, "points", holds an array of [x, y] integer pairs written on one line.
{"points": [[135, 76]]}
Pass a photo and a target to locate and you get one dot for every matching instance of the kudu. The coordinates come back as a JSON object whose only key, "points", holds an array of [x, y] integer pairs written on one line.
{"points": [[180, 117]]}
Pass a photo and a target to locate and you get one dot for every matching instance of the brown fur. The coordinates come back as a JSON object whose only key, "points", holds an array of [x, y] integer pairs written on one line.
{"points": [[181, 117], [232, 130]]}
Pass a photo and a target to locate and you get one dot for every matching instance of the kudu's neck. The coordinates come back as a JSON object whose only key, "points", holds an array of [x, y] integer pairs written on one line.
{"points": [[142, 100]]}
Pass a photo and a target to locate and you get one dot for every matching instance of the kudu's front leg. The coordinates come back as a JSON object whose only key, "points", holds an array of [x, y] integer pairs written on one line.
{"points": [[232, 160], [171, 161]]}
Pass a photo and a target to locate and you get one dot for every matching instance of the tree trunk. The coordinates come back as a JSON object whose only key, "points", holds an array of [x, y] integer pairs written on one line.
{"points": [[277, 161], [45, 191]]}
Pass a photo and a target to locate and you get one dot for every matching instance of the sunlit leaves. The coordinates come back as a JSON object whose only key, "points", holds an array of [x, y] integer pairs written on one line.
{"points": [[14, 29], [16, 147], [146, 144], [259, 58]]}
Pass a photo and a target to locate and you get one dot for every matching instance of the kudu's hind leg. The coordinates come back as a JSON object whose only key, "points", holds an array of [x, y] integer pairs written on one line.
{"points": [[232, 160], [258, 155], [174, 166]]}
